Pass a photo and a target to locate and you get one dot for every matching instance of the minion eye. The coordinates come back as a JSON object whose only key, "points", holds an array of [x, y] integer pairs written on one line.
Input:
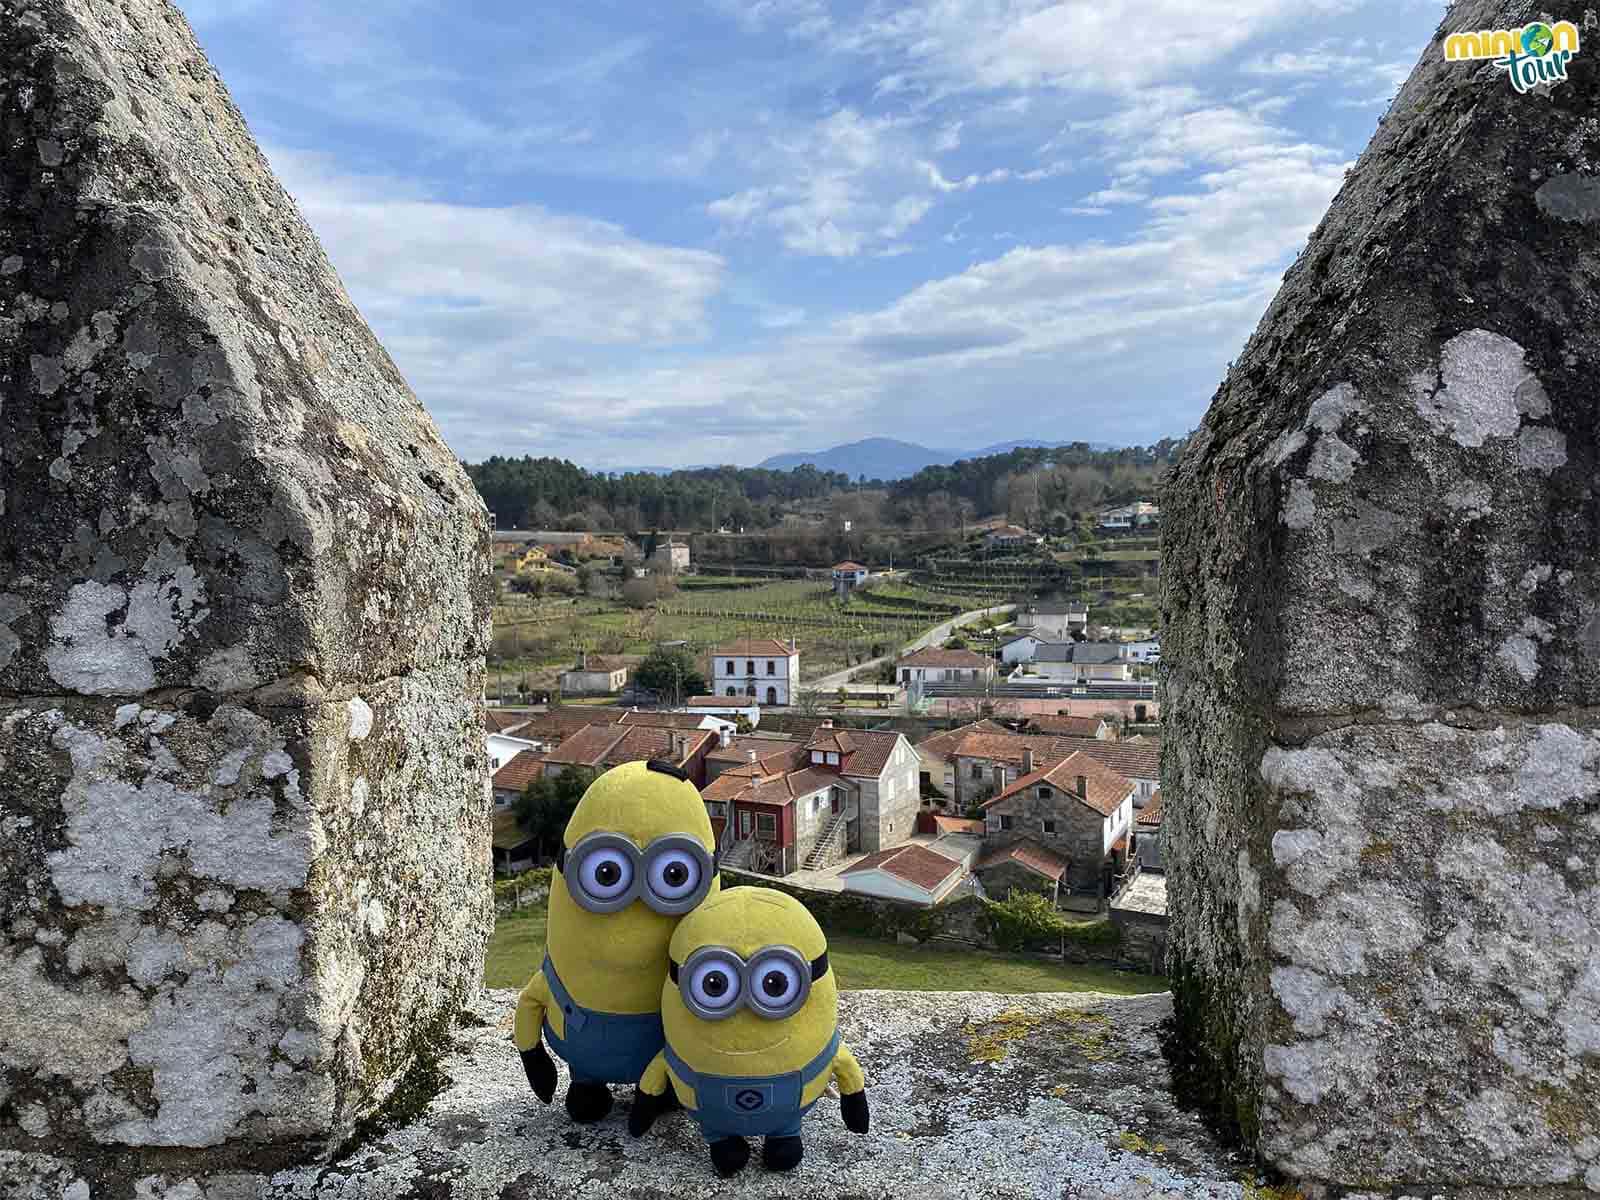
{"points": [[606, 874], [775, 984], [714, 987], [674, 875]]}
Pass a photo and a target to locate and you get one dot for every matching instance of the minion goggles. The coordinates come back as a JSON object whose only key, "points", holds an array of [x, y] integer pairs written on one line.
{"points": [[773, 983]]}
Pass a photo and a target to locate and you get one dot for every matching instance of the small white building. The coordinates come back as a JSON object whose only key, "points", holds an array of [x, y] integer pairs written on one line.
{"points": [[595, 675], [1082, 662], [1148, 651], [914, 873], [1010, 537], [506, 737], [763, 668], [934, 665], [848, 576], [1130, 516], [671, 556], [1054, 621]]}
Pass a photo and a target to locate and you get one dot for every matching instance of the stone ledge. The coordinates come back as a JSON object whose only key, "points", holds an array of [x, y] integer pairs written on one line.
{"points": [[972, 1095]]}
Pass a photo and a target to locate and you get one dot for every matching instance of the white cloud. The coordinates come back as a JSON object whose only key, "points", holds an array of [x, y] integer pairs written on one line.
{"points": [[1115, 195]]}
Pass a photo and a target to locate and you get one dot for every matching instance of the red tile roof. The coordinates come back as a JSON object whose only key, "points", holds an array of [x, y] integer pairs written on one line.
{"points": [[1031, 855], [863, 752], [1150, 815], [848, 566], [935, 657], [914, 864], [959, 825], [720, 701], [768, 750], [1135, 760], [495, 721], [940, 745], [1066, 726], [613, 745], [753, 648], [663, 720], [768, 789], [524, 767], [1107, 790], [565, 720], [603, 664]]}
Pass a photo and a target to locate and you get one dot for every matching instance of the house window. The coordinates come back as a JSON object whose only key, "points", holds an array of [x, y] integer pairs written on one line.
{"points": [[977, 770], [1045, 794], [772, 695], [730, 670], [833, 759], [772, 667], [495, 763], [1005, 822], [766, 825], [816, 804], [905, 675], [716, 808], [816, 756], [1049, 826], [732, 692], [751, 690], [750, 666]]}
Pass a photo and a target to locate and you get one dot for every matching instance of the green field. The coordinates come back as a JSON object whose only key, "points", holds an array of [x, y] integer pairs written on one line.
{"points": [[517, 948]]}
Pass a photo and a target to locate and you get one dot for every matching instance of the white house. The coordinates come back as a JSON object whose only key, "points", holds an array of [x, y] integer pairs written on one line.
{"points": [[1130, 516], [944, 666], [507, 736], [671, 556], [764, 668], [594, 675], [913, 873], [1052, 621], [1148, 651], [1081, 662], [1022, 647], [1010, 537], [730, 707], [848, 576]]}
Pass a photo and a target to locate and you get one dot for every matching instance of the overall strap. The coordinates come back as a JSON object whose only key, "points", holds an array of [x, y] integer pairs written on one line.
{"points": [[689, 1076], [558, 990], [821, 1062]]}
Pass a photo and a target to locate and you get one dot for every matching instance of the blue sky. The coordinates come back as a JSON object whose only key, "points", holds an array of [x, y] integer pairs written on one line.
{"points": [[714, 230]]}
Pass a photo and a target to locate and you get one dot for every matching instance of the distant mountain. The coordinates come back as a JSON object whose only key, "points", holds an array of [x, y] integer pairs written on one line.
{"points": [[886, 458], [876, 458]]}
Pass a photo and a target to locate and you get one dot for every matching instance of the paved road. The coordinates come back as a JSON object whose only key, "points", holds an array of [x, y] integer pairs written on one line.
{"points": [[934, 637]]}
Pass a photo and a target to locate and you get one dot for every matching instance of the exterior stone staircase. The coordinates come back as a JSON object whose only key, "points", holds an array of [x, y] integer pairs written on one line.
{"points": [[737, 854], [829, 847]]}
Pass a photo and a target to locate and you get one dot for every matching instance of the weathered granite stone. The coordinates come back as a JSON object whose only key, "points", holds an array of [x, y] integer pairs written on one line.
{"points": [[243, 606], [1382, 662], [995, 1097]]}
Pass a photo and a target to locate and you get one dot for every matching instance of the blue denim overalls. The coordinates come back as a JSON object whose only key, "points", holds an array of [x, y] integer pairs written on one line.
{"points": [[755, 1105], [601, 1047]]}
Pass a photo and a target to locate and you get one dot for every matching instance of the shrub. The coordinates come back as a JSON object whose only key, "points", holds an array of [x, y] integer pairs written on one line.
{"points": [[1023, 921], [528, 881]]}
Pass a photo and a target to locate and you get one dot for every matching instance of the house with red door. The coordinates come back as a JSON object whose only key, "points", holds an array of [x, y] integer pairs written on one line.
{"points": [[809, 804]]}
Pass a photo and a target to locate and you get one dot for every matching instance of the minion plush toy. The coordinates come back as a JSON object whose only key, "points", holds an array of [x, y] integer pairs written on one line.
{"points": [[751, 1014], [636, 856]]}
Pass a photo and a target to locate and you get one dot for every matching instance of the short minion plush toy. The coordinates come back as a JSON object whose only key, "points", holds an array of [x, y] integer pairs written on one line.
{"points": [[636, 856], [751, 1013]]}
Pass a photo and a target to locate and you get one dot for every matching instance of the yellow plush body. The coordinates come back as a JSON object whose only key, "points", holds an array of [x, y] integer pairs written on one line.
{"points": [[610, 966], [802, 1048]]}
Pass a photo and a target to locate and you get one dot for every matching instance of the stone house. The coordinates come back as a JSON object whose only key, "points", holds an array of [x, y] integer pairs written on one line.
{"points": [[595, 675], [936, 755], [1021, 866], [883, 765], [671, 557], [1078, 809], [1147, 835], [601, 747]]}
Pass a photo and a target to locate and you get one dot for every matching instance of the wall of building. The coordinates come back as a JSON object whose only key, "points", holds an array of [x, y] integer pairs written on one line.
{"points": [[1079, 835], [1006, 878]]}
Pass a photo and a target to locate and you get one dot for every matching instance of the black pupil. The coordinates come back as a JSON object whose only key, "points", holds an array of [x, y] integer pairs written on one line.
{"points": [[715, 984], [775, 983], [676, 874], [607, 874]]}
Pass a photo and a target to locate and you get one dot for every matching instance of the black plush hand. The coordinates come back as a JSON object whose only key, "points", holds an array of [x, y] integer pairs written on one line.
{"points": [[541, 1072], [854, 1110], [646, 1108]]}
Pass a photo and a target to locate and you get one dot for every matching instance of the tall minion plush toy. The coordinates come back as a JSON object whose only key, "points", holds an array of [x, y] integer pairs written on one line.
{"points": [[751, 1014], [636, 856]]}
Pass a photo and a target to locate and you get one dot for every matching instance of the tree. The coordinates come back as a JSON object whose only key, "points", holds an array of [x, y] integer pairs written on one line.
{"points": [[547, 804], [671, 671], [637, 593], [808, 701], [650, 542]]}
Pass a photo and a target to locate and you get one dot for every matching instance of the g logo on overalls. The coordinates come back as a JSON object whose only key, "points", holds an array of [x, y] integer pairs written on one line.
{"points": [[608, 872], [773, 983]]}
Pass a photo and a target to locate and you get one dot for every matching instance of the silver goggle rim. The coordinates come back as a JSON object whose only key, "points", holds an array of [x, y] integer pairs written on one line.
{"points": [[745, 972], [640, 860]]}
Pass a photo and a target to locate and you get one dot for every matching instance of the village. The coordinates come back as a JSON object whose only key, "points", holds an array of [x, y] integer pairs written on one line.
{"points": [[1012, 750]]}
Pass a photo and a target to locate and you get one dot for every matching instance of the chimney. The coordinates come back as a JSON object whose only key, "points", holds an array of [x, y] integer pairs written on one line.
{"points": [[1027, 760], [680, 747], [723, 739], [793, 645], [1083, 786], [827, 723], [752, 756], [583, 660]]}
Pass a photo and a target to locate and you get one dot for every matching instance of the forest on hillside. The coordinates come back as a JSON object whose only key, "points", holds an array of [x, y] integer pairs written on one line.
{"points": [[1033, 486]]}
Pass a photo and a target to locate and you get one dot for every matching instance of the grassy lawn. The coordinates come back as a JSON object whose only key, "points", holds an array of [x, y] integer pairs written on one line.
{"points": [[517, 948]]}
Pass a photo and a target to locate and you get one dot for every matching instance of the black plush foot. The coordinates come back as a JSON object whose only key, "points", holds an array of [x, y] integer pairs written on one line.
{"points": [[782, 1153], [588, 1102], [730, 1155], [668, 1101]]}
